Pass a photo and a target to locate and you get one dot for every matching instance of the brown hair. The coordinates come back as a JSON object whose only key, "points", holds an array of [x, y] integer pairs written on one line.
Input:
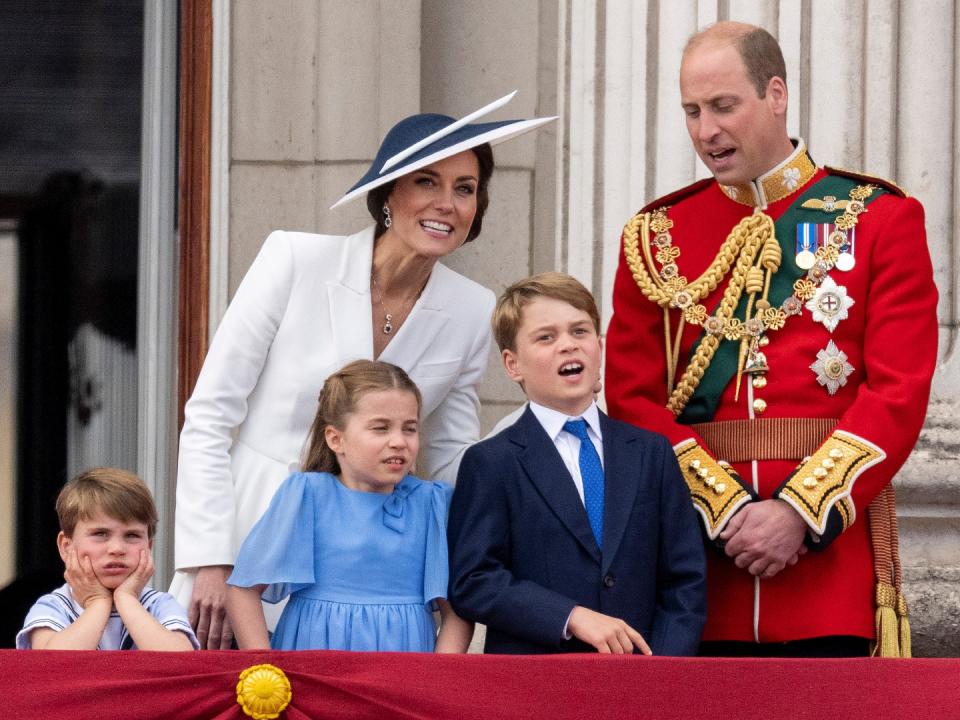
{"points": [[508, 315], [759, 50], [117, 493], [378, 196], [338, 398]]}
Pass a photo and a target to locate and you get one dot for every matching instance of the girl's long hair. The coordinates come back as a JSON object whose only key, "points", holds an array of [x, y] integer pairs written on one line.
{"points": [[339, 398]]}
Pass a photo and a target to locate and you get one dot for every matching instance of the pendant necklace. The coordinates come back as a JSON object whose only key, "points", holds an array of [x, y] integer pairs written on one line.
{"points": [[388, 316]]}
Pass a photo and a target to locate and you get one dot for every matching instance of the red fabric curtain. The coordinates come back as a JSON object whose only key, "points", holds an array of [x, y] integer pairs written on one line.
{"points": [[142, 685]]}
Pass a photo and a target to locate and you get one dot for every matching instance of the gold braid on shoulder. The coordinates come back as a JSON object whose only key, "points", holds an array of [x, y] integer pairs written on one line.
{"points": [[659, 290], [739, 250]]}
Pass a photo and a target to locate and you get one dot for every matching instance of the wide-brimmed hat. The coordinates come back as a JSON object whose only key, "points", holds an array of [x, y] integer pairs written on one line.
{"points": [[420, 140]]}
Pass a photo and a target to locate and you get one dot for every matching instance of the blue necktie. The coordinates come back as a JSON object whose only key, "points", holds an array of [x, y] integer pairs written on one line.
{"points": [[591, 472]]}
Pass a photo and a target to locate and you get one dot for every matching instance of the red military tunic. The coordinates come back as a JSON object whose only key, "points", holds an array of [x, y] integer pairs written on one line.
{"points": [[878, 360]]}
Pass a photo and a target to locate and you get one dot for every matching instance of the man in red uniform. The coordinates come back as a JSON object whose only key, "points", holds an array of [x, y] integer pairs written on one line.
{"points": [[778, 323]]}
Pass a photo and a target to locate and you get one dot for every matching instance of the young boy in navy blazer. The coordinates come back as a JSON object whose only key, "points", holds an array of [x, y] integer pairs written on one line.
{"points": [[570, 531]]}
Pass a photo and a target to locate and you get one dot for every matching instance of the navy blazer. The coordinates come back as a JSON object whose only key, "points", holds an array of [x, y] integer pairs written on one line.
{"points": [[522, 553]]}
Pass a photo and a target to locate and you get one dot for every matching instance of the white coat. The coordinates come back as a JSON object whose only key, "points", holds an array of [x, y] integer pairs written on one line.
{"points": [[302, 312]]}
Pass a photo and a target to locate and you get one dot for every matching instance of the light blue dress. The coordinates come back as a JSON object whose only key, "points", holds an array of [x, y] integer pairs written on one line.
{"points": [[362, 569]]}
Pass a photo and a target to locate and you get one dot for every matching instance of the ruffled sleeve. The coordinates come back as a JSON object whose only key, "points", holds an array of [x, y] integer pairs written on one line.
{"points": [[278, 552], [436, 568]]}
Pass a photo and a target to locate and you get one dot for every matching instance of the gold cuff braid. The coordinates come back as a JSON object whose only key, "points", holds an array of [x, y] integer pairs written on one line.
{"points": [[716, 494], [826, 479]]}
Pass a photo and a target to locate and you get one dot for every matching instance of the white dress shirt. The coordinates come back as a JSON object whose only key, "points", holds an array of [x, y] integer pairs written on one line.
{"points": [[567, 444]]}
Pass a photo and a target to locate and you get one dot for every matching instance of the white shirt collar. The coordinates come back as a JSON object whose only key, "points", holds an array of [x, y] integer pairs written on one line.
{"points": [[553, 420]]}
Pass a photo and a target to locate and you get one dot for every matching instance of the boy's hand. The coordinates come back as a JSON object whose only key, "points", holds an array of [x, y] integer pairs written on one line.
{"points": [[136, 580], [607, 634], [83, 581]]}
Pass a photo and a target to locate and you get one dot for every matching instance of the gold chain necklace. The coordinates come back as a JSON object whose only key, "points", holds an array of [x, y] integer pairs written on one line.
{"points": [[404, 309]]}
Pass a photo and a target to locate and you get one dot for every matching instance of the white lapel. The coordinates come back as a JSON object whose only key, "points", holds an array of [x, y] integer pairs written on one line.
{"points": [[427, 318], [348, 299], [350, 309]]}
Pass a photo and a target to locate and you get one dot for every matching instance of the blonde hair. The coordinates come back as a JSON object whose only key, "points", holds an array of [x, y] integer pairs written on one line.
{"points": [[508, 314], [117, 493], [338, 398]]}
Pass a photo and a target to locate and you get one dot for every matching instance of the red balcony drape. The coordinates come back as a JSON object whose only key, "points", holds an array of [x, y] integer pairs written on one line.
{"points": [[142, 685]]}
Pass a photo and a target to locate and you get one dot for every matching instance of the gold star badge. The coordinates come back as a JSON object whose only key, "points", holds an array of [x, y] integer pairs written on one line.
{"points": [[832, 368]]}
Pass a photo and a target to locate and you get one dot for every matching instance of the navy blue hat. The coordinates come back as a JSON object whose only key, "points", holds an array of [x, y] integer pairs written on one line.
{"points": [[421, 140]]}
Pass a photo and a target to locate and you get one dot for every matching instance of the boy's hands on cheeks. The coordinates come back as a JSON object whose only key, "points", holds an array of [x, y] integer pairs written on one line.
{"points": [[146, 631], [92, 595], [135, 582], [83, 581], [607, 634]]}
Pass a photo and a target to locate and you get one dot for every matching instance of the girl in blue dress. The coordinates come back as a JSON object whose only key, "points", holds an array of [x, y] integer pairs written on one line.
{"points": [[356, 542]]}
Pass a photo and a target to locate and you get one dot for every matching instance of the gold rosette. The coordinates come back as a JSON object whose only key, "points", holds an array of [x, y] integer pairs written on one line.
{"points": [[263, 692]]}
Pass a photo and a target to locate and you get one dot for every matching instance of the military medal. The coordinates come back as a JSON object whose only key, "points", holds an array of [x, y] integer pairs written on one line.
{"points": [[829, 303], [812, 236], [832, 368], [846, 261], [806, 244], [831, 234]]}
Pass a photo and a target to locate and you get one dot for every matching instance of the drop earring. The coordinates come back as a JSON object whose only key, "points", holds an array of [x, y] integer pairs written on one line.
{"points": [[387, 220]]}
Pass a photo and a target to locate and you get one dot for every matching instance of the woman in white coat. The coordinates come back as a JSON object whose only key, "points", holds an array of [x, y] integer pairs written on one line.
{"points": [[312, 303]]}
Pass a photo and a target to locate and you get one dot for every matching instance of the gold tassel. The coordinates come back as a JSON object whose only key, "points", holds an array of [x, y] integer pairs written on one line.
{"points": [[903, 615], [892, 618], [887, 643]]}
